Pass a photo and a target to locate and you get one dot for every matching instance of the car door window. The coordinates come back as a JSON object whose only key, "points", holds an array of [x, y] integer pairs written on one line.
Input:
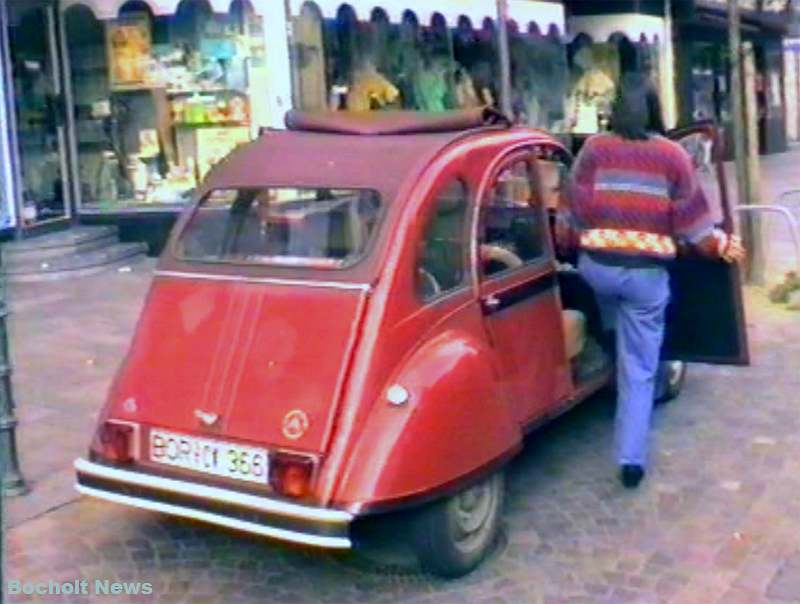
{"points": [[699, 146], [513, 224], [441, 265]]}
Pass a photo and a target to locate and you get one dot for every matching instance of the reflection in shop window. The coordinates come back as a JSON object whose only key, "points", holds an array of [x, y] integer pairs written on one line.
{"points": [[158, 100]]}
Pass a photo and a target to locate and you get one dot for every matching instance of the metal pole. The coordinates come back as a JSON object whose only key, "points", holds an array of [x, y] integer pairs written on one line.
{"points": [[753, 233], [743, 182], [737, 104], [504, 56], [13, 483], [2, 544]]}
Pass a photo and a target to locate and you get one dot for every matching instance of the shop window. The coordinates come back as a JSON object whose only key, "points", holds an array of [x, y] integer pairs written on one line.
{"points": [[538, 78], [513, 225], [309, 59], [442, 261], [159, 99], [710, 99], [476, 68], [434, 80], [595, 70], [594, 74], [368, 63]]}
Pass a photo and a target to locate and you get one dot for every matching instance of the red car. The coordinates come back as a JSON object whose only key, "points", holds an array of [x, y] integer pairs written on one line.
{"points": [[364, 314]]}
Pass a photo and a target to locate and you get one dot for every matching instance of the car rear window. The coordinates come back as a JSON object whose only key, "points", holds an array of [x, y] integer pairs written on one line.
{"points": [[313, 227]]}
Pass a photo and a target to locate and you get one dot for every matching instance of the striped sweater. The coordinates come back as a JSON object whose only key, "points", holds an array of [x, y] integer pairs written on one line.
{"points": [[636, 198]]}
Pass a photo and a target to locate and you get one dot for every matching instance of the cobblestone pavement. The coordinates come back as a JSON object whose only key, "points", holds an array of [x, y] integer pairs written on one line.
{"points": [[716, 521]]}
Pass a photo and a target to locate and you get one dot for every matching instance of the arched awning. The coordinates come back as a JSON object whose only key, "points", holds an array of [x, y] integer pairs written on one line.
{"points": [[634, 26], [544, 14], [109, 9]]}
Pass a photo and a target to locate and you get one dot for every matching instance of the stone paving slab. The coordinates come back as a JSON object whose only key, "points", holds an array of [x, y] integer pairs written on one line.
{"points": [[67, 339]]}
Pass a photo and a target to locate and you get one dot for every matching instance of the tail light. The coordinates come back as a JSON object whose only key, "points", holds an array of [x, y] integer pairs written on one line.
{"points": [[290, 475], [116, 441]]}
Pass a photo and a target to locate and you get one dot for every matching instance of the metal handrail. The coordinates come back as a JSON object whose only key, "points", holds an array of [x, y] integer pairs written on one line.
{"points": [[794, 226]]}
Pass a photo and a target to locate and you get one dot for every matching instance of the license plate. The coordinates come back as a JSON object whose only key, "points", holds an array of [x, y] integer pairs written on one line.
{"points": [[208, 456]]}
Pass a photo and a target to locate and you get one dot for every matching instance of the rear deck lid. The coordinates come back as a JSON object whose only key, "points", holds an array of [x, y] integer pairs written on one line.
{"points": [[261, 362]]}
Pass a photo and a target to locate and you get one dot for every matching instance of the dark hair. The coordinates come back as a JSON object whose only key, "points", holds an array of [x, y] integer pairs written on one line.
{"points": [[636, 111]]}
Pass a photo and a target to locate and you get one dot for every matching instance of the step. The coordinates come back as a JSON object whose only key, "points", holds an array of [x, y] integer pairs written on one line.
{"points": [[77, 264], [79, 238], [21, 258]]}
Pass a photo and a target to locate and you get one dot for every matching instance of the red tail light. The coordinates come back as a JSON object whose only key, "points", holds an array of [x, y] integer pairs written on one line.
{"points": [[290, 475], [115, 442]]}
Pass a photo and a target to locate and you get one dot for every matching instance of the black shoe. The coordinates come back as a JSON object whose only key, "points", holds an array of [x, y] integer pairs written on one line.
{"points": [[631, 475]]}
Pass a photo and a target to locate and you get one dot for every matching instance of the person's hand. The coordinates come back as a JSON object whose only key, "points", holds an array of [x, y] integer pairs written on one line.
{"points": [[735, 251], [729, 247]]}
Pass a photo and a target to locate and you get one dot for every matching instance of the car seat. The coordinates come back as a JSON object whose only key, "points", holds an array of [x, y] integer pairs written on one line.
{"points": [[574, 332], [443, 256]]}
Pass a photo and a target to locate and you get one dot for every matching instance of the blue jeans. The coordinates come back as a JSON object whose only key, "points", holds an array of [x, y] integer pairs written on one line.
{"points": [[633, 302]]}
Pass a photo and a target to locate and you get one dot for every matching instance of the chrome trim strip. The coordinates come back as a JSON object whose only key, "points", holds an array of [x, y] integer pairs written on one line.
{"points": [[233, 523], [254, 502], [364, 287]]}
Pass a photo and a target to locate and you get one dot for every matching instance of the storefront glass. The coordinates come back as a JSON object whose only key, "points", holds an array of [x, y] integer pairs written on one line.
{"points": [[37, 114], [361, 65], [595, 69], [358, 63], [539, 78], [158, 100], [7, 212], [710, 97]]}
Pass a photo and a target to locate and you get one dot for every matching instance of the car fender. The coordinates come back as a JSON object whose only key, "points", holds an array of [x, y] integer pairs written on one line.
{"points": [[455, 423]]}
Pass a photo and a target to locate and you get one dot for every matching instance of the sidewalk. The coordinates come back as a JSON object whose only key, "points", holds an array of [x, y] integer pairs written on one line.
{"points": [[66, 339], [779, 173], [716, 522]]}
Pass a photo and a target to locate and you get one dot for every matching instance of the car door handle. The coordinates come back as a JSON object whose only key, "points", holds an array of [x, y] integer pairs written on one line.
{"points": [[491, 302]]}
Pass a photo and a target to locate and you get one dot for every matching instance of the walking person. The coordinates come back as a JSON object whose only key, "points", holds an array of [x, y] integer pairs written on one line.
{"points": [[634, 194]]}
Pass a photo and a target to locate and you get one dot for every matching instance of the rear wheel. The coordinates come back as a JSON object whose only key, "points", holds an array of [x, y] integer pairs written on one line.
{"points": [[669, 380], [454, 535]]}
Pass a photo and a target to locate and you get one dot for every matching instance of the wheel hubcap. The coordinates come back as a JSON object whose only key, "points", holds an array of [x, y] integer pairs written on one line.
{"points": [[674, 373], [474, 509]]}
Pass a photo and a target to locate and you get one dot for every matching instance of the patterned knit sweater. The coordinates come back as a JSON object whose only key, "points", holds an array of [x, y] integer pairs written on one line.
{"points": [[635, 198]]}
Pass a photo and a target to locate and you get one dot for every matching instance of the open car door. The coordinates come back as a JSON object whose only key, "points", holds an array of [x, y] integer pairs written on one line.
{"points": [[705, 319]]}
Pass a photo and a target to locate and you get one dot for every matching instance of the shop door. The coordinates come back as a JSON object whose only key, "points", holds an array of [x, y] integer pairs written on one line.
{"points": [[39, 114]]}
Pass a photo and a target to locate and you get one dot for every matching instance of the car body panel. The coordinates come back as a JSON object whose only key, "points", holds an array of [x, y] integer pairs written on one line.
{"points": [[454, 422], [242, 352]]}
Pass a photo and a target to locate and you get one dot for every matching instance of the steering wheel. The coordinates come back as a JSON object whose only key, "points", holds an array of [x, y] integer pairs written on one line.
{"points": [[429, 286], [493, 253]]}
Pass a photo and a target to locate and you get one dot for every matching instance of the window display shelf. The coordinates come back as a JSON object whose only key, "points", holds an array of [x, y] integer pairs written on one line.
{"points": [[193, 91], [191, 126], [132, 207]]}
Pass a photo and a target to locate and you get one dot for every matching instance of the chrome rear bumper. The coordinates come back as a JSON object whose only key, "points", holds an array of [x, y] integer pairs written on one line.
{"points": [[319, 527]]}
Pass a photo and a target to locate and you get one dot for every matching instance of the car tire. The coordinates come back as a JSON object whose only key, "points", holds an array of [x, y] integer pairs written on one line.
{"points": [[669, 380], [452, 536]]}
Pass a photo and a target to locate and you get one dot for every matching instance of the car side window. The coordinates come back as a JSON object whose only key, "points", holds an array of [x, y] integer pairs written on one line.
{"points": [[441, 265], [513, 223]]}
